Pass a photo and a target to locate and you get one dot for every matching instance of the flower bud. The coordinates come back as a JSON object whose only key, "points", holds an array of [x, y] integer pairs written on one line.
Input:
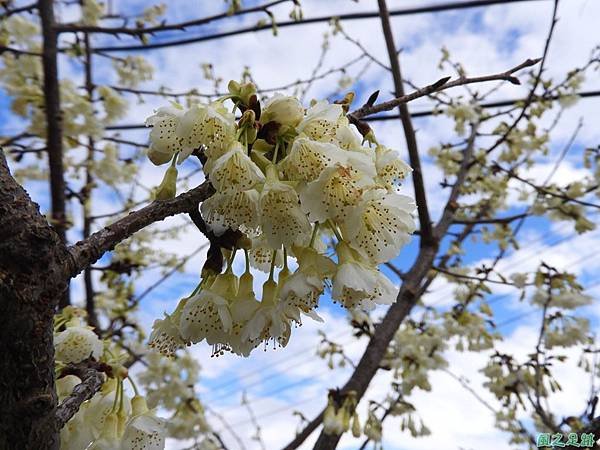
{"points": [[110, 428], [247, 125], [247, 119], [168, 187], [119, 371], [286, 111], [355, 425], [121, 421], [242, 92], [138, 405]]}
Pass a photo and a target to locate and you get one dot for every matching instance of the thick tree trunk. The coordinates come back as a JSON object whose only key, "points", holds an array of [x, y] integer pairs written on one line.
{"points": [[31, 282]]}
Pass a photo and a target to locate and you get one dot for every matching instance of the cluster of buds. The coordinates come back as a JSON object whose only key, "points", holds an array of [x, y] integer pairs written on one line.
{"points": [[340, 415], [110, 419], [288, 181]]}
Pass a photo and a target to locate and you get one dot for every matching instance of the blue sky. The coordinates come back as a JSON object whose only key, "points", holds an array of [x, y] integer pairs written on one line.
{"points": [[485, 40]]}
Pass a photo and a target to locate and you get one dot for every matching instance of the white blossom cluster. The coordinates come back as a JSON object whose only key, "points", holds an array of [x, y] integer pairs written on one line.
{"points": [[110, 420], [287, 179]]}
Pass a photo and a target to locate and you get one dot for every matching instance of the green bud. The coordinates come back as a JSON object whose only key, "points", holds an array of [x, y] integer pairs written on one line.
{"points": [[247, 90], [234, 88], [248, 119], [167, 188], [355, 425]]}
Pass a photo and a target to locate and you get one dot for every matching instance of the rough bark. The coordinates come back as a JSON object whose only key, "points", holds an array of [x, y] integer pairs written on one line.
{"points": [[31, 282]]}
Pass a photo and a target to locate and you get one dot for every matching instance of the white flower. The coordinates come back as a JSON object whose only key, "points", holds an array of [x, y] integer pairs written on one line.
{"points": [[334, 193], [302, 291], [390, 169], [65, 386], [321, 120], [108, 437], [303, 288], [308, 158], [211, 126], [76, 434], [380, 224], [272, 320], [206, 315], [91, 12], [233, 210], [373, 427], [345, 136], [281, 218], [99, 408], [357, 284], [284, 110], [164, 142], [115, 105], [144, 432], [242, 309], [132, 70], [261, 254], [166, 337], [519, 279], [333, 421], [188, 422], [76, 344], [235, 171], [20, 29]]}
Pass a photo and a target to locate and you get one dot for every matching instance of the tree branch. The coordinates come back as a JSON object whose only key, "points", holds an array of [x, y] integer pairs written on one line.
{"points": [[441, 85], [25, 8], [88, 251], [182, 26], [410, 292], [542, 190], [53, 114], [322, 19], [409, 132], [492, 220], [91, 382]]}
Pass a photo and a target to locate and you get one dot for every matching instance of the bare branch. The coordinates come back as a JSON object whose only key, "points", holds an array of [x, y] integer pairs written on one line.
{"points": [[182, 26], [441, 85], [91, 382], [474, 278], [545, 191], [21, 9], [482, 221], [89, 250], [409, 132], [17, 51], [322, 19]]}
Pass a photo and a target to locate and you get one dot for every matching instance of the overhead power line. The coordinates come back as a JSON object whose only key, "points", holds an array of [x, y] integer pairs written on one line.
{"points": [[290, 23]]}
